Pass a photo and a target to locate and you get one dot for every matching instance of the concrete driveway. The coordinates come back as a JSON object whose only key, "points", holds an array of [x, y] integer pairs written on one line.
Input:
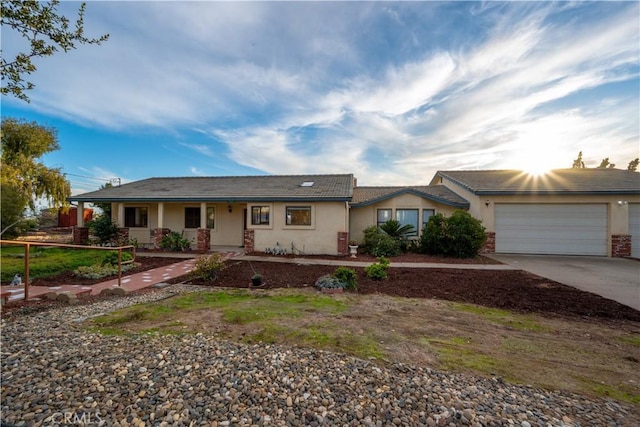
{"points": [[613, 278]]}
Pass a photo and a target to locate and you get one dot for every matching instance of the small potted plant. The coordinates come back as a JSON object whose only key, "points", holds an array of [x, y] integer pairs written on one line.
{"points": [[256, 279], [353, 248]]}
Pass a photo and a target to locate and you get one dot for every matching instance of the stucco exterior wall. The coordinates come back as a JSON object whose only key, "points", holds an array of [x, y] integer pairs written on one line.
{"points": [[327, 219], [366, 216]]}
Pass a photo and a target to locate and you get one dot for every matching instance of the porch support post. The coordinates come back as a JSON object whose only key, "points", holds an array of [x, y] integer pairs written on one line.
{"points": [[80, 214], [203, 215], [120, 220], [160, 215]]}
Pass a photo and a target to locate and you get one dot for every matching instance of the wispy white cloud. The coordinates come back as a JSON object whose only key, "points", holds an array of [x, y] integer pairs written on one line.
{"points": [[378, 92]]}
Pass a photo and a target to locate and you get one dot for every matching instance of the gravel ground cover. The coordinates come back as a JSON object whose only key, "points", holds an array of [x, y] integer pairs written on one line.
{"points": [[54, 372]]}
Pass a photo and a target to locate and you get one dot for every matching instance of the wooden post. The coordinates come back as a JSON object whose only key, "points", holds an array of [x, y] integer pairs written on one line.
{"points": [[120, 267], [26, 271]]}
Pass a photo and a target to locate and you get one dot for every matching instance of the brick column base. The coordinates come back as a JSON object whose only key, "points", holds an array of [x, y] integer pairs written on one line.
{"points": [[204, 240], [80, 235], [343, 243], [158, 234], [249, 241], [620, 245], [123, 236], [489, 246]]}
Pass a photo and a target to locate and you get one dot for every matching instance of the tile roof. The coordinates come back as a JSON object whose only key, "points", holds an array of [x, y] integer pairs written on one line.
{"points": [[363, 196], [228, 189], [559, 181]]}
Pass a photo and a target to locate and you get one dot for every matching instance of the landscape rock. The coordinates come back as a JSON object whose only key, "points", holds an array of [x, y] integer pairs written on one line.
{"points": [[67, 297]]}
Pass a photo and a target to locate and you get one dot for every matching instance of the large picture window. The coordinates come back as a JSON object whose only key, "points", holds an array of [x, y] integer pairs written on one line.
{"points": [[298, 215], [260, 215], [211, 217], [408, 217], [191, 217], [384, 215], [135, 217]]}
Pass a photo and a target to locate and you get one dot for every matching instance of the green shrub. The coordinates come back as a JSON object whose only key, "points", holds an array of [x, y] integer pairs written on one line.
{"points": [[348, 276], [378, 243], [98, 271], [207, 268], [174, 241], [105, 230], [378, 270], [460, 235], [112, 258]]}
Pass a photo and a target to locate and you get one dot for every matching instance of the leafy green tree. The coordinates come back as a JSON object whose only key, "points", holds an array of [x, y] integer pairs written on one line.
{"points": [[46, 31], [578, 163], [633, 164], [106, 207], [104, 229], [23, 144], [12, 206]]}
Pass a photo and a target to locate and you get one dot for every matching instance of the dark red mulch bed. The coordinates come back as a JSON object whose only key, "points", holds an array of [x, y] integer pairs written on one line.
{"points": [[507, 289], [408, 257]]}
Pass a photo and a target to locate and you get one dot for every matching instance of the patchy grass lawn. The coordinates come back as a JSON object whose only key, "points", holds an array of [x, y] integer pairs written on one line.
{"points": [[45, 261], [581, 355]]}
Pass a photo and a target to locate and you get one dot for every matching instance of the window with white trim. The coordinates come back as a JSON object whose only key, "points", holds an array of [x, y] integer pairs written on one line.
{"points": [[191, 217], [384, 215], [260, 215], [298, 215], [211, 217], [135, 217], [408, 217]]}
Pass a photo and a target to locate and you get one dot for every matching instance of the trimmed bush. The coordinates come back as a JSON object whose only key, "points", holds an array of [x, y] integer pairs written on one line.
{"points": [[112, 258], [207, 268], [378, 270], [378, 243], [459, 235], [348, 276], [174, 241], [98, 271]]}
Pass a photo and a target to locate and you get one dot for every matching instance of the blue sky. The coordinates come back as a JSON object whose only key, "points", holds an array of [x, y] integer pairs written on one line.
{"points": [[391, 92]]}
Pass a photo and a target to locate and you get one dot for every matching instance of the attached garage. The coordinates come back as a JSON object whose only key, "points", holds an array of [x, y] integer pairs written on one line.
{"points": [[634, 228], [561, 229]]}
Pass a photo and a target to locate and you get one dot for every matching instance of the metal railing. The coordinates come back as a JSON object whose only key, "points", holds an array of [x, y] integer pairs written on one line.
{"points": [[27, 249]]}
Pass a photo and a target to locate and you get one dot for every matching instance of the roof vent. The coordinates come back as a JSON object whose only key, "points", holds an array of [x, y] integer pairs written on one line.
{"points": [[307, 184]]}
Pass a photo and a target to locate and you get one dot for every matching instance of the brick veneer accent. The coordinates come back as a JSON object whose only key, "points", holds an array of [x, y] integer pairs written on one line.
{"points": [[80, 235], [123, 235], [158, 234], [249, 241], [343, 243], [489, 246], [204, 239], [620, 245]]}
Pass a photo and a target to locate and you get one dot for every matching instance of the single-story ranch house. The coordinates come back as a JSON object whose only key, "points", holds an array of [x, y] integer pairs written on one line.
{"points": [[567, 211]]}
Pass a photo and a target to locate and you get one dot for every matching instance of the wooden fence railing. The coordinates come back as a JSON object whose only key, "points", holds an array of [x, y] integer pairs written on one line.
{"points": [[27, 249]]}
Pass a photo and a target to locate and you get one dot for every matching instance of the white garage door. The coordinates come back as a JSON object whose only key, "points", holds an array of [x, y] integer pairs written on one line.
{"points": [[634, 228], [551, 229]]}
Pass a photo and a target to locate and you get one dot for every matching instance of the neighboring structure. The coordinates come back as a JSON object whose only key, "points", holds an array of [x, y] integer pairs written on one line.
{"points": [[567, 211], [572, 211]]}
